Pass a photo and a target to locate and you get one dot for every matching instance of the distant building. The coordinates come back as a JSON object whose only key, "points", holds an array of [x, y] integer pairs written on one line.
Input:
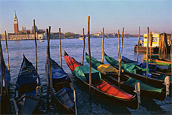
{"points": [[24, 33]]}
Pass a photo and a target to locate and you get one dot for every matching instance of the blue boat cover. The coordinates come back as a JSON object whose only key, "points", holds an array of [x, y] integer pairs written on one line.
{"points": [[57, 71], [151, 67], [66, 97], [7, 75]]}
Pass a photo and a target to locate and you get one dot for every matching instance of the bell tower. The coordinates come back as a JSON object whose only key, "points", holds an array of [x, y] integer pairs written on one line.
{"points": [[16, 28]]}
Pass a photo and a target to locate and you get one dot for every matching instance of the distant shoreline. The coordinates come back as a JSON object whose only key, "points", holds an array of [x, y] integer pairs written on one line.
{"points": [[65, 38]]}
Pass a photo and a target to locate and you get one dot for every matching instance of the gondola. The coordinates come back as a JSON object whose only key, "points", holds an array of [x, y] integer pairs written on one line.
{"points": [[127, 83], [4, 97], [160, 61], [157, 71], [99, 87], [153, 67], [64, 93], [28, 89], [158, 83]]}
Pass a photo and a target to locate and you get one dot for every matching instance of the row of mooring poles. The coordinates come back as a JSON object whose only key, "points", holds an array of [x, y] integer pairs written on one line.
{"points": [[148, 49]]}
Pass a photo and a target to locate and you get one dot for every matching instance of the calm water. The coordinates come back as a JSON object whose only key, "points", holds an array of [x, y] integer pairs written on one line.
{"points": [[74, 48]]}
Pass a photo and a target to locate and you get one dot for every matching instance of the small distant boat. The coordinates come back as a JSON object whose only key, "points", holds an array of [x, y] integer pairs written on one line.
{"points": [[41, 40], [28, 89], [80, 38]]}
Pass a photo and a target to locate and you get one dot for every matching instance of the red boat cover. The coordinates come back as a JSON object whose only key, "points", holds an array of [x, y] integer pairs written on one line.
{"points": [[113, 90], [71, 62]]}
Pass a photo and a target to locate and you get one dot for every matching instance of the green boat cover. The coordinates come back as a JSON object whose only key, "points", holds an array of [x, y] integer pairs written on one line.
{"points": [[94, 62], [82, 72], [130, 67], [101, 67], [131, 82]]}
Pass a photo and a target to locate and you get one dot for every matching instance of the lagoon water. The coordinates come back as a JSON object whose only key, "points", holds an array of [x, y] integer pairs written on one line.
{"points": [[74, 48]]}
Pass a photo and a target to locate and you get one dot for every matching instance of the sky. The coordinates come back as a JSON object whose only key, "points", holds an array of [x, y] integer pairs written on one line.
{"points": [[72, 15]]}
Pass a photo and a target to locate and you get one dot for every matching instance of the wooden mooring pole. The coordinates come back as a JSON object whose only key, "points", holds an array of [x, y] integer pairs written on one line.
{"points": [[138, 45], [60, 47], [119, 58], [147, 50], [1, 59], [150, 47], [89, 51], [7, 52], [103, 47], [122, 45], [49, 61], [171, 52], [3, 76], [83, 47], [47, 69], [35, 43], [120, 53]]}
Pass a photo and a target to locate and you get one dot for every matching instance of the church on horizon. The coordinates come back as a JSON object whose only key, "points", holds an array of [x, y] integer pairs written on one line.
{"points": [[23, 34]]}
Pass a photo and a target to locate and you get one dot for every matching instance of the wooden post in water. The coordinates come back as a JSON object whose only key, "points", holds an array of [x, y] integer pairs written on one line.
{"points": [[103, 47], [35, 43], [47, 72], [7, 52], [1, 59], [138, 45], [147, 50], [60, 47], [122, 45], [89, 51], [83, 47], [150, 47], [119, 55], [171, 52], [50, 72], [3, 80]]}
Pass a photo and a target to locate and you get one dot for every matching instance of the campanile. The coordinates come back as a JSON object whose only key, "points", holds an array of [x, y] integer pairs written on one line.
{"points": [[16, 28]]}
